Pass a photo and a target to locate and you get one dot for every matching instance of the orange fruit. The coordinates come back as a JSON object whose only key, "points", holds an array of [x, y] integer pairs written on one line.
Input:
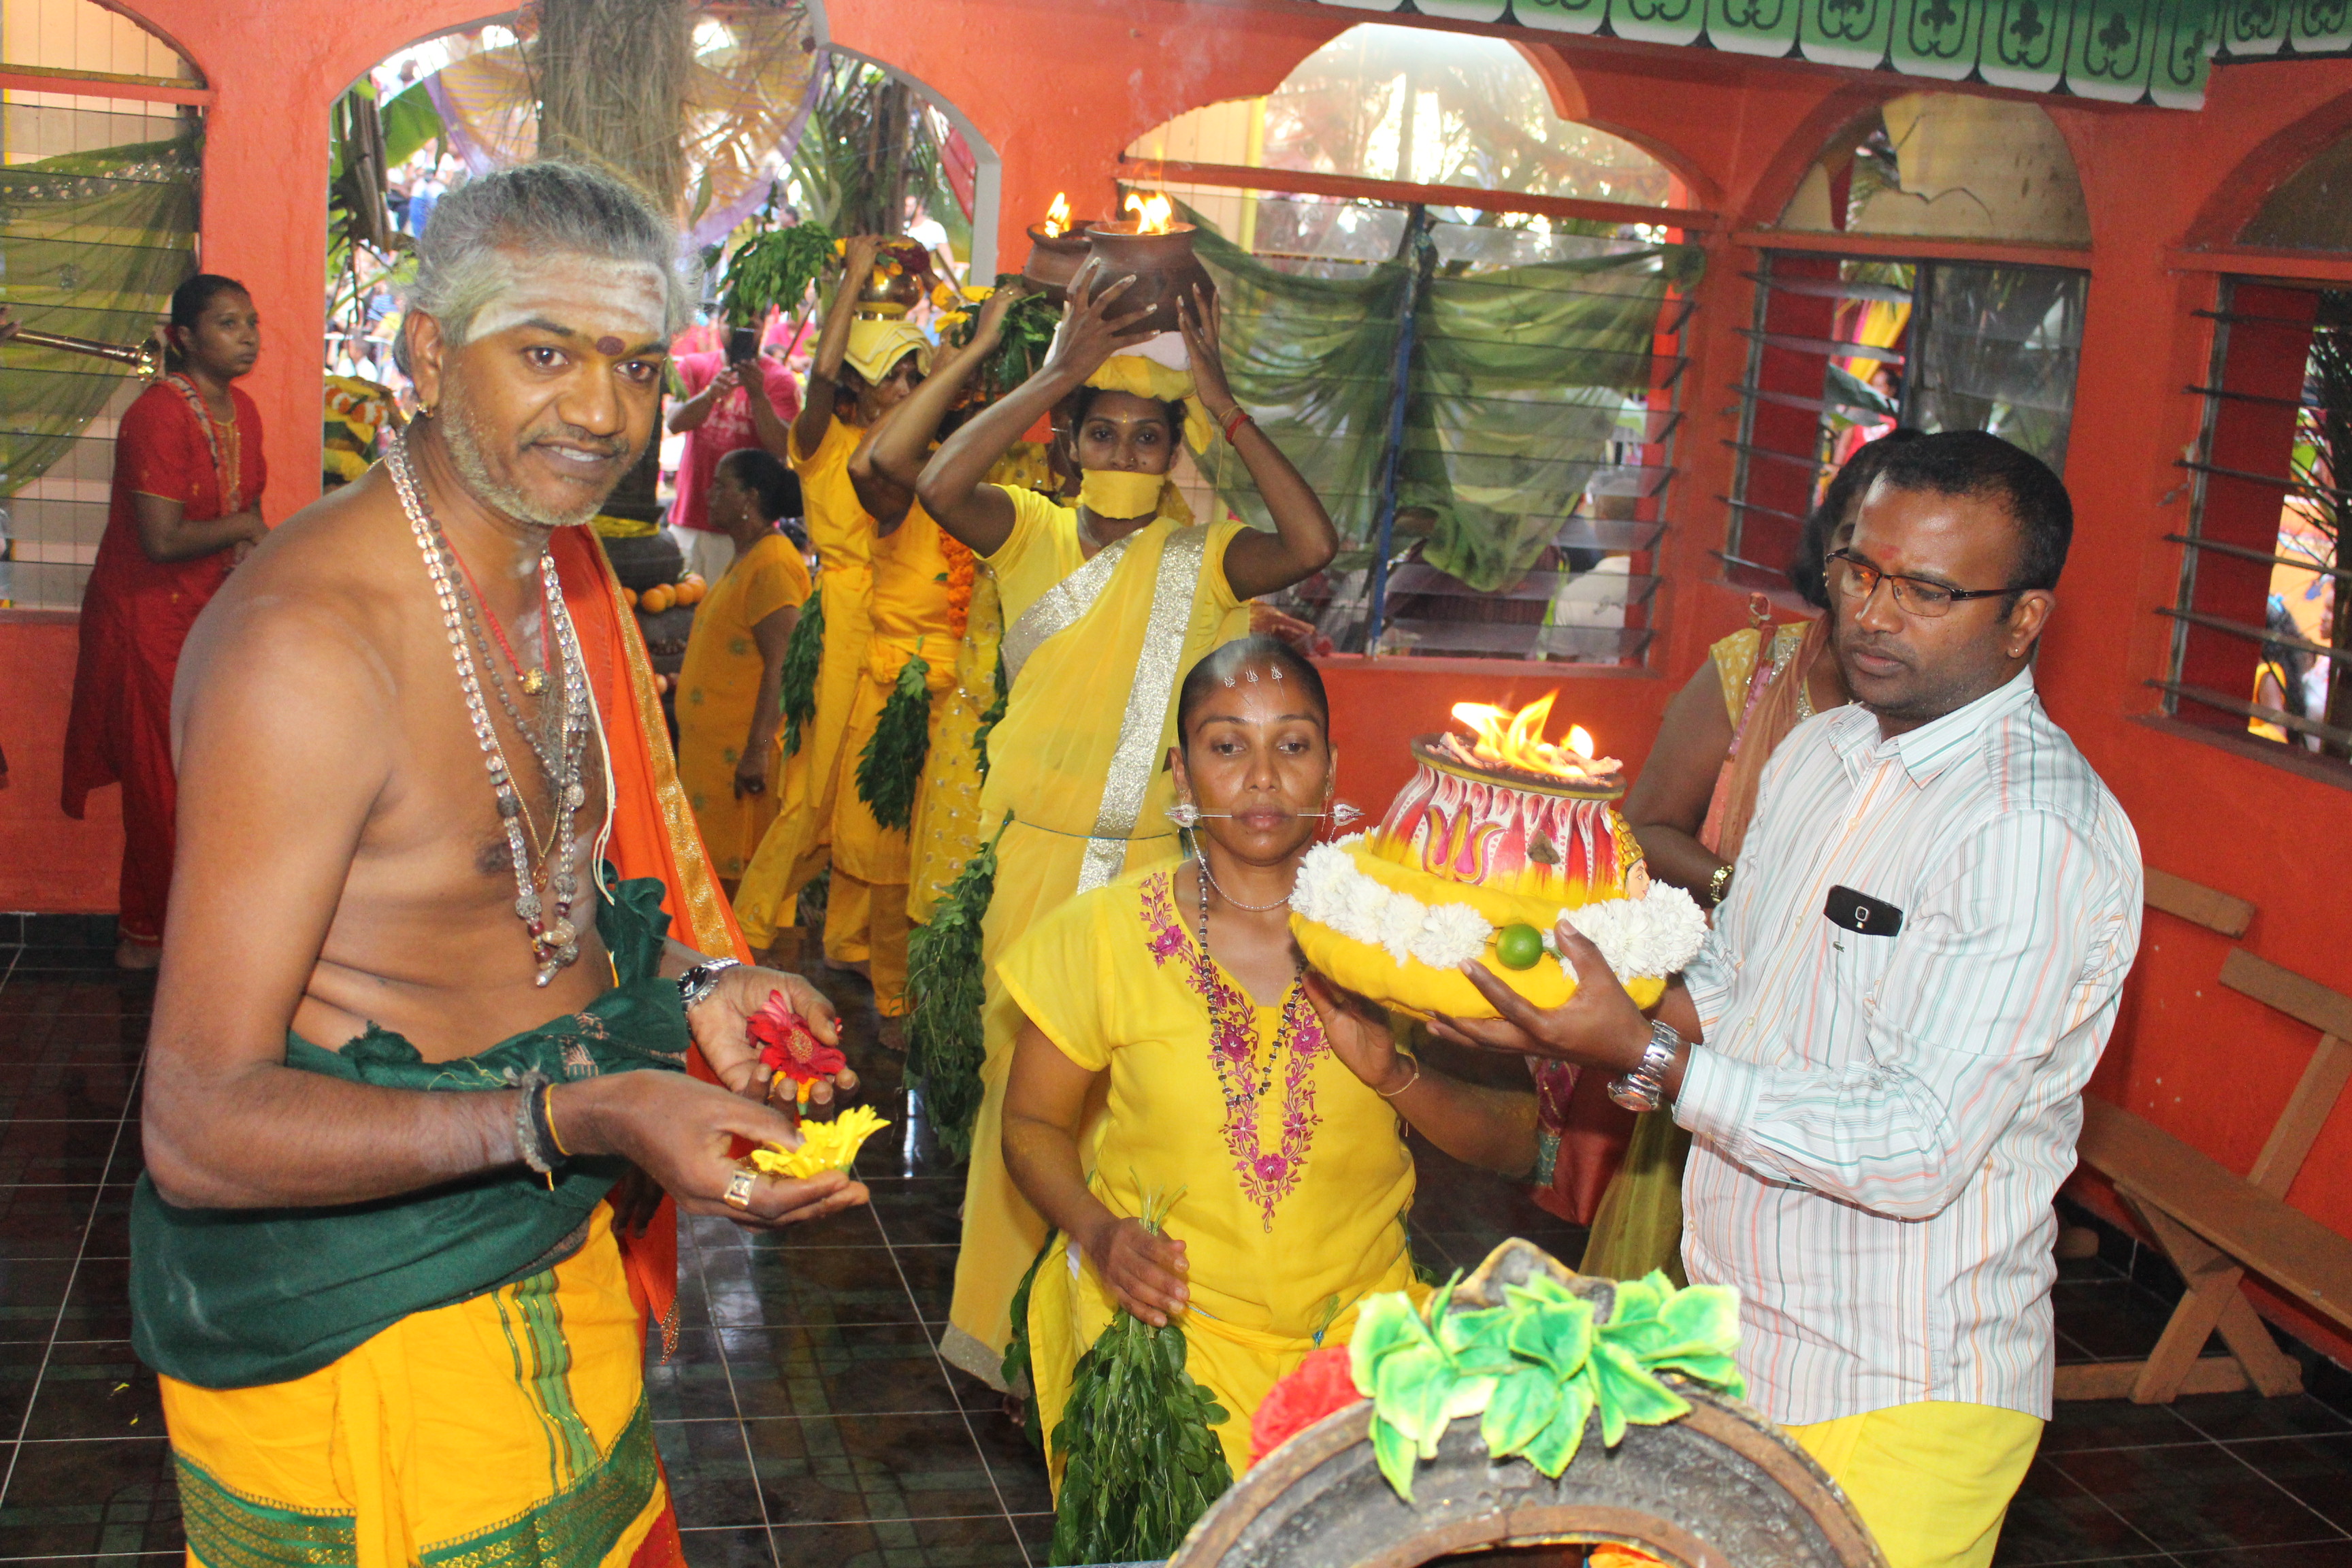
{"points": [[658, 598], [631, 595], [690, 590]]}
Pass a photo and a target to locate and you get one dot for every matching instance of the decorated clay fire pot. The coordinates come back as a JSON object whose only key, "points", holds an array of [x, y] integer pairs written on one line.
{"points": [[1053, 260], [1164, 268]]}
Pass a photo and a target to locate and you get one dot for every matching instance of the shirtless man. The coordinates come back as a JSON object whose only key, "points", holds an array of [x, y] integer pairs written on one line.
{"points": [[380, 1280]]}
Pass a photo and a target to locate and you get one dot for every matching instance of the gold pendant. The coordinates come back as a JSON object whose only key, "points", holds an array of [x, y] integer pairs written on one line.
{"points": [[534, 681]]}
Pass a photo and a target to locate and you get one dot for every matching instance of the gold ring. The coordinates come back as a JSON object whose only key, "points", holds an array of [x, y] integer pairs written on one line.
{"points": [[739, 1188]]}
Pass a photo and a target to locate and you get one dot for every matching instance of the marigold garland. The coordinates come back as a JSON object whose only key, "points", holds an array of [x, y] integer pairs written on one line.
{"points": [[963, 566]]}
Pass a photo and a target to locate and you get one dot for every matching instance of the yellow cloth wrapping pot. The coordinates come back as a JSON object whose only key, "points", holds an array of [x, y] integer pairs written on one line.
{"points": [[1141, 377], [1419, 989]]}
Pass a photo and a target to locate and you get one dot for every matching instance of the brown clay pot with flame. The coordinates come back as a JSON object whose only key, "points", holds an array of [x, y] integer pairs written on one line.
{"points": [[1164, 268], [1054, 259]]}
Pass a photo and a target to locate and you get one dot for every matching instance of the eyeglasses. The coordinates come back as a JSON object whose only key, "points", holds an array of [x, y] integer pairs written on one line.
{"points": [[1912, 596]]}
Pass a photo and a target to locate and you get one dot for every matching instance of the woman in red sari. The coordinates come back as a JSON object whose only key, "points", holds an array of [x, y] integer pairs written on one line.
{"points": [[188, 473]]}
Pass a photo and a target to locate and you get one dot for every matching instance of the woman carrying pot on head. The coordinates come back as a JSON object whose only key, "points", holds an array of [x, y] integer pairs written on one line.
{"points": [[1690, 808], [1103, 604], [863, 368], [186, 508], [1247, 1180]]}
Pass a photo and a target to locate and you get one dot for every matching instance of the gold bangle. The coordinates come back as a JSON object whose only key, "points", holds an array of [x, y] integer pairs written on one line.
{"points": [[547, 1111], [1392, 1093]]}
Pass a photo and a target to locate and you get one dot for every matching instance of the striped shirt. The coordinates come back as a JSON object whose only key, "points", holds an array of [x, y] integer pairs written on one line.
{"points": [[1880, 1123]]}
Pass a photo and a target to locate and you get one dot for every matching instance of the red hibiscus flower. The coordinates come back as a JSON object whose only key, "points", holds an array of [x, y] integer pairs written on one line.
{"points": [[787, 1047], [1320, 1384]]}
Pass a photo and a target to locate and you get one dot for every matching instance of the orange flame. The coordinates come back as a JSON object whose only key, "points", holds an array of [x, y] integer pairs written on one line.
{"points": [[1154, 215], [1057, 216], [1510, 739]]}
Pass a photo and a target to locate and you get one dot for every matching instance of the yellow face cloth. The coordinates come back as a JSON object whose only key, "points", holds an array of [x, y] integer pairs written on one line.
{"points": [[875, 347], [1117, 492], [1141, 377]]}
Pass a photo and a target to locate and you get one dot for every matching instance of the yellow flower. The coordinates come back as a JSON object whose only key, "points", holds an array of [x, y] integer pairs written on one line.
{"points": [[976, 292], [942, 296], [825, 1145], [952, 319]]}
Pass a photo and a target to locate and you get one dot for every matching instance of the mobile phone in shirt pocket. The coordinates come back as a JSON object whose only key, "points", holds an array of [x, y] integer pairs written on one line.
{"points": [[1862, 931]]}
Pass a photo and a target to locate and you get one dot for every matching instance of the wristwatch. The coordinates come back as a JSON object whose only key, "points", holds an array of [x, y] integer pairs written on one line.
{"points": [[1644, 1089], [699, 981]]}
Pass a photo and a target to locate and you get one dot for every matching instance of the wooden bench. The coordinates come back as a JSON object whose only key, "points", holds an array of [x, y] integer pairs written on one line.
{"points": [[2215, 1226]]}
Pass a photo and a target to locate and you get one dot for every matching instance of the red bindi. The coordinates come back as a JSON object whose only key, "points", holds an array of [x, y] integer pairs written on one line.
{"points": [[609, 346]]}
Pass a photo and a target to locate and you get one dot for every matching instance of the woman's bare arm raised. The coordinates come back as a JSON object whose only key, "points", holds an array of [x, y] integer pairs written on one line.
{"points": [[979, 515]]}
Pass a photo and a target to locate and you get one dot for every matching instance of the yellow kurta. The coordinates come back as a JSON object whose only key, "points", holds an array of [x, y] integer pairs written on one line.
{"points": [[793, 850], [718, 686], [1293, 1198], [1052, 761], [510, 1426]]}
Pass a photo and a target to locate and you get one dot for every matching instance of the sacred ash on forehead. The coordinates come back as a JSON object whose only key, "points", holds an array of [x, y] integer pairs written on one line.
{"points": [[602, 299]]}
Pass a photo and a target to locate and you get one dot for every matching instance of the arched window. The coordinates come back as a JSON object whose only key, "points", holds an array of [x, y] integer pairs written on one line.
{"points": [[99, 156], [2261, 642], [1461, 314], [1902, 318]]}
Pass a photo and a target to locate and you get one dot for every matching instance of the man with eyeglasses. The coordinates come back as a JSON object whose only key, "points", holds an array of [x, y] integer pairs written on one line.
{"points": [[1880, 1052]]}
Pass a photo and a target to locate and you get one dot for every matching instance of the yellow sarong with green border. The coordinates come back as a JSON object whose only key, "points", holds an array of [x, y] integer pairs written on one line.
{"points": [[508, 1429]]}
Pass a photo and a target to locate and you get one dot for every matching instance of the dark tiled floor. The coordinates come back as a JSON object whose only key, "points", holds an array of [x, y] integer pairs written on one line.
{"points": [[807, 1417]]}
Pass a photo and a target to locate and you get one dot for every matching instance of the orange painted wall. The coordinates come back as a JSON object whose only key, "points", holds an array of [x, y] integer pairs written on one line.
{"points": [[1058, 87]]}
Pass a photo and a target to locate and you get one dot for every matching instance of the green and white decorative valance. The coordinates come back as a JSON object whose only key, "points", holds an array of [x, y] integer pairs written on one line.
{"points": [[2125, 51]]}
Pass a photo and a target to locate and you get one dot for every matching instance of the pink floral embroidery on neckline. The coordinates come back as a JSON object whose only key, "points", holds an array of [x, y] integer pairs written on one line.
{"points": [[1267, 1176]]}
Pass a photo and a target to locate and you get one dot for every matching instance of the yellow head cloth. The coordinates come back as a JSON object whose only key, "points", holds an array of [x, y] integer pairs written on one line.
{"points": [[875, 346], [1141, 377]]}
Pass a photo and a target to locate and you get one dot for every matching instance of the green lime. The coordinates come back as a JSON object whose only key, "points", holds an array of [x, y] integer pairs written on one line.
{"points": [[1519, 946]]}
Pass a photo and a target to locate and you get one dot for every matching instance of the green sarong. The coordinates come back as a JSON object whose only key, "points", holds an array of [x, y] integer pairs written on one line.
{"points": [[240, 1298]]}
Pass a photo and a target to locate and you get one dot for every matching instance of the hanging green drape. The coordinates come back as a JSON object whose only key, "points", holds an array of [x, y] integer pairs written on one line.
{"points": [[1518, 390], [91, 245]]}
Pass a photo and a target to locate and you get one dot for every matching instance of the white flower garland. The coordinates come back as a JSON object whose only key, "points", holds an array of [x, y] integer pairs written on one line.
{"points": [[1655, 935]]}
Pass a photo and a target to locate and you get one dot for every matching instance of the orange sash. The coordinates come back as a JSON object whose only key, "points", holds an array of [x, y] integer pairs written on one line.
{"points": [[653, 835]]}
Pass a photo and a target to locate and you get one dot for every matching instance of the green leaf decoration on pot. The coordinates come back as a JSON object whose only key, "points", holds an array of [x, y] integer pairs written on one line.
{"points": [[1537, 1368]]}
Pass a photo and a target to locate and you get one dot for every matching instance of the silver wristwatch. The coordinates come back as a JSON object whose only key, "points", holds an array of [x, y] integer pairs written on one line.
{"points": [[700, 981], [1644, 1089]]}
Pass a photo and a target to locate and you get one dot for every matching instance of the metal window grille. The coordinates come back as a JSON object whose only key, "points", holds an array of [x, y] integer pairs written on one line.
{"points": [[1844, 349], [2259, 643]]}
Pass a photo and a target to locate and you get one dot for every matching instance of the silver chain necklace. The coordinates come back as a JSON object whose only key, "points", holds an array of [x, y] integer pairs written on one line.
{"points": [[554, 940]]}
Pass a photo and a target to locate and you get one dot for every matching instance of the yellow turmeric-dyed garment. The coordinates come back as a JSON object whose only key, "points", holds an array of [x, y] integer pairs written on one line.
{"points": [[1294, 1173], [947, 804], [912, 615], [794, 849], [508, 1428], [719, 686], [1095, 650]]}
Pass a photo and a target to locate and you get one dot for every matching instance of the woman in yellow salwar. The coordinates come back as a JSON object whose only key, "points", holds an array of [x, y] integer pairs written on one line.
{"points": [[1104, 604], [727, 744], [1262, 1116], [861, 369]]}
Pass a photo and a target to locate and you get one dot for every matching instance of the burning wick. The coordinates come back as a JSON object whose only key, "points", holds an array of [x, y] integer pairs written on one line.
{"points": [[1155, 214], [1507, 740], [1057, 216]]}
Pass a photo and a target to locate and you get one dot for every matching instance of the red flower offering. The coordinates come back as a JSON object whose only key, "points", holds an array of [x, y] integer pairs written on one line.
{"points": [[788, 1046], [1319, 1385]]}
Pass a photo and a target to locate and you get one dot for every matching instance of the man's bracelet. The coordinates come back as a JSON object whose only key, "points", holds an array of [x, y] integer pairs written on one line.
{"points": [[697, 983], [534, 1139], [1718, 886], [1644, 1089]]}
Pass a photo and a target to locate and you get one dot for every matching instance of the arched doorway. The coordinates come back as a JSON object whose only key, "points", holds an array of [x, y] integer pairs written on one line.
{"points": [[99, 142]]}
